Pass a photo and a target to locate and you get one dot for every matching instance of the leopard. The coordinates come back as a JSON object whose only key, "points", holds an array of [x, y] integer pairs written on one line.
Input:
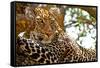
{"points": [[48, 43], [59, 51], [40, 33]]}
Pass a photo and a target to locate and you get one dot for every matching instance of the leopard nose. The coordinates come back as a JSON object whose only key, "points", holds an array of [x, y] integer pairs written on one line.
{"points": [[49, 34], [48, 30]]}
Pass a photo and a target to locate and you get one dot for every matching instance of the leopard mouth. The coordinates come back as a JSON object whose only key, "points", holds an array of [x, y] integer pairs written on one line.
{"points": [[40, 38]]}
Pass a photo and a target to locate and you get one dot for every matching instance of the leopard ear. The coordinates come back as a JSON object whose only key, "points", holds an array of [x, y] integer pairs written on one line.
{"points": [[29, 13]]}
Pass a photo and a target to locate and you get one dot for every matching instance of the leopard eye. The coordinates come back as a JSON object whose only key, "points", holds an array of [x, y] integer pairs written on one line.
{"points": [[42, 21]]}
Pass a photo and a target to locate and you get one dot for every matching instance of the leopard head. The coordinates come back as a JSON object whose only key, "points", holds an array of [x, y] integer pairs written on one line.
{"points": [[38, 23]]}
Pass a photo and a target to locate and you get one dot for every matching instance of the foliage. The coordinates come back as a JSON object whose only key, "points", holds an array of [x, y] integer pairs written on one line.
{"points": [[81, 25]]}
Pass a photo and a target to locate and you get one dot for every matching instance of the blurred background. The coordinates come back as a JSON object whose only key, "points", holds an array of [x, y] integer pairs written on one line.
{"points": [[80, 23]]}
